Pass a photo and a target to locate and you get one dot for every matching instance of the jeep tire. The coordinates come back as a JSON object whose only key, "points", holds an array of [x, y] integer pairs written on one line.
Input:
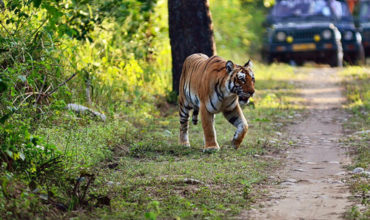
{"points": [[336, 59], [361, 60], [267, 58]]}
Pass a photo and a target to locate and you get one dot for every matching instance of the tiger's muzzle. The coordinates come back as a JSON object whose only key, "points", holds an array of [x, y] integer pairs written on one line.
{"points": [[244, 97]]}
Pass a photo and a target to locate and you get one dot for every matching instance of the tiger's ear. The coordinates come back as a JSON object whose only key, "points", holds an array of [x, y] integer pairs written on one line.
{"points": [[229, 66], [248, 64]]}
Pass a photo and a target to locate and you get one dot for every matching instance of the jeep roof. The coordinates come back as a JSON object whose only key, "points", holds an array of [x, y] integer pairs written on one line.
{"points": [[364, 11], [304, 10]]}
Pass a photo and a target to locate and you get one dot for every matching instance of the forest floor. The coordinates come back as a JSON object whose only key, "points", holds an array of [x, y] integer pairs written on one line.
{"points": [[294, 163], [308, 129], [312, 182], [142, 172]]}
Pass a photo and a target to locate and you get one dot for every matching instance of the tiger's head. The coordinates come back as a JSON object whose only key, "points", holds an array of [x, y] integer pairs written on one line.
{"points": [[241, 80]]}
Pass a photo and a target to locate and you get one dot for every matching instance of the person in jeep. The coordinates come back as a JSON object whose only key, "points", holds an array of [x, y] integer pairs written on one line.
{"points": [[364, 24], [351, 37], [303, 30]]}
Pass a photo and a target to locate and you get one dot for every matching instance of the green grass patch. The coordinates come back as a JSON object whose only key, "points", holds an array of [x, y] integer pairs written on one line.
{"points": [[139, 166], [356, 81]]}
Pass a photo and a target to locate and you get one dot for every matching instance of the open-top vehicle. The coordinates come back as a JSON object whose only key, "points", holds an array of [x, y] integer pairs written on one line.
{"points": [[363, 21], [319, 30]]}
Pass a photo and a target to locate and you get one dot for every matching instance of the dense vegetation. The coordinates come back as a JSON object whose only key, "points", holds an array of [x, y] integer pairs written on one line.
{"points": [[112, 56]]}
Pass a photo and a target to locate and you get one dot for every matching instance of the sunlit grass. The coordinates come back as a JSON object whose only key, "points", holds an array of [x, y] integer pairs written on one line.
{"points": [[151, 167], [356, 81], [134, 156]]}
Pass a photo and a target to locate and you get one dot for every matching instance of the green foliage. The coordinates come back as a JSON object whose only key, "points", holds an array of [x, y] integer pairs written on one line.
{"points": [[55, 161], [154, 210], [122, 52], [27, 156], [3, 84], [73, 18], [124, 66], [137, 159], [356, 81], [238, 28]]}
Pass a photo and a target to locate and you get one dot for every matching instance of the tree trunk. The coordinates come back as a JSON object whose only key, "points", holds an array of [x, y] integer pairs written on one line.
{"points": [[191, 31]]}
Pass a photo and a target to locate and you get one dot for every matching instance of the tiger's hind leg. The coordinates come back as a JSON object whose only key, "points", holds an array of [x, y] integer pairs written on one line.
{"points": [[236, 118], [184, 124]]}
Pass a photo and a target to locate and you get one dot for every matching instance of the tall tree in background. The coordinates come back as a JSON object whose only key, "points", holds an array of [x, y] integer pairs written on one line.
{"points": [[191, 31]]}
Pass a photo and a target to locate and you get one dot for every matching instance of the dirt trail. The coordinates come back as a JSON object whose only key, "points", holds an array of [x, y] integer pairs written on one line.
{"points": [[312, 186]]}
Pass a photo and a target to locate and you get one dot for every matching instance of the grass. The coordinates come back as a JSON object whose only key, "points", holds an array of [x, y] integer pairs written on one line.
{"points": [[356, 81], [143, 173], [134, 162]]}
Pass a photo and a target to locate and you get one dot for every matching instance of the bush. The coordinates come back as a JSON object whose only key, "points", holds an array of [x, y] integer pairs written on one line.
{"points": [[242, 38]]}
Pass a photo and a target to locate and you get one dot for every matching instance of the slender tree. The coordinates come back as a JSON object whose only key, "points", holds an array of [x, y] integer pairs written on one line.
{"points": [[191, 31]]}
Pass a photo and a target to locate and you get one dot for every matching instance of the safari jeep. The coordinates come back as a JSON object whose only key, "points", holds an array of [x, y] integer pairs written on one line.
{"points": [[300, 30], [351, 37], [363, 21]]}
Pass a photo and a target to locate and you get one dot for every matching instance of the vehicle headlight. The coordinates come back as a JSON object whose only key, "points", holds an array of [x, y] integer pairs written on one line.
{"points": [[280, 36], [326, 34], [348, 35]]}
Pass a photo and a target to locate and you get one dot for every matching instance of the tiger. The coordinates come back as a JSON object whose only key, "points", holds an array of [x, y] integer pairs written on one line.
{"points": [[210, 85]]}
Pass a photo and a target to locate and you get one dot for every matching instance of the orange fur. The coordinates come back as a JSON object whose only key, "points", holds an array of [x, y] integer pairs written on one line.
{"points": [[209, 86]]}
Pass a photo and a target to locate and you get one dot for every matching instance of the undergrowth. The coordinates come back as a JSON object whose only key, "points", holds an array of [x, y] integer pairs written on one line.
{"points": [[114, 57], [132, 167], [356, 81], [141, 171]]}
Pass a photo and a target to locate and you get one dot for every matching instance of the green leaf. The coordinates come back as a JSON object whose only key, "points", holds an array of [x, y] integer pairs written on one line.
{"points": [[5, 117], [22, 78], [4, 183], [3, 86], [150, 215], [36, 3], [53, 11], [10, 154], [21, 155], [34, 140], [262, 120]]}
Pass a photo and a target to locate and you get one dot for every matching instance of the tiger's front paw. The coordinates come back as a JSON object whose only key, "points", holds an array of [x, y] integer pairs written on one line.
{"points": [[235, 144], [211, 149]]}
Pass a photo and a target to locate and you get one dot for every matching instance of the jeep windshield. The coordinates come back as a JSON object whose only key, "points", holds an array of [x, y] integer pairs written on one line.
{"points": [[364, 14], [310, 9]]}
